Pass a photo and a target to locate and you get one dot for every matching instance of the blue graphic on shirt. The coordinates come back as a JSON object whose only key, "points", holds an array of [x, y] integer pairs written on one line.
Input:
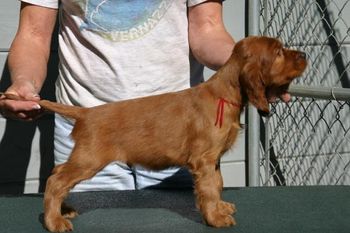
{"points": [[123, 20]]}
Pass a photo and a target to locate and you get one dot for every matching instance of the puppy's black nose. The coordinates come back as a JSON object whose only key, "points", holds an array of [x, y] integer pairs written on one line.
{"points": [[302, 55]]}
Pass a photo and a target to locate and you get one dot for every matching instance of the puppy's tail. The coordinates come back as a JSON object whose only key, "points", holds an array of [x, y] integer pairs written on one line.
{"points": [[62, 109]]}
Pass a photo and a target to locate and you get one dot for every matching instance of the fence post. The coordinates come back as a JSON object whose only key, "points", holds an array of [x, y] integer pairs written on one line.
{"points": [[253, 116]]}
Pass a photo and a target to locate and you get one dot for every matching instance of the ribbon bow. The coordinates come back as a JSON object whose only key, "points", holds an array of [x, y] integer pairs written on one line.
{"points": [[220, 110]]}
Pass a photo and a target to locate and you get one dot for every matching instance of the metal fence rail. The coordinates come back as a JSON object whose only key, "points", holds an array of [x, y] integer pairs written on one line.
{"points": [[307, 141]]}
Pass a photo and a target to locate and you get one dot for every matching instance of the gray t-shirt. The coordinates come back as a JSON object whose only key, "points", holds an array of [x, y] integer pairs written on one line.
{"points": [[112, 50]]}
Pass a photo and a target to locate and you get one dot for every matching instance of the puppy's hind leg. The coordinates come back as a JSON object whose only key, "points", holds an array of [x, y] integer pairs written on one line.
{"points": [[64, 177]]}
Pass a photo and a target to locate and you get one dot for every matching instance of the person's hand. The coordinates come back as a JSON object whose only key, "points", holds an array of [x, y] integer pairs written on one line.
{"points": [[285, 97], [20, 101]]}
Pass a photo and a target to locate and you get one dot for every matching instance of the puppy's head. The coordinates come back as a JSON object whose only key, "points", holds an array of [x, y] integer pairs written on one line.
{"points": [[267, 67]]}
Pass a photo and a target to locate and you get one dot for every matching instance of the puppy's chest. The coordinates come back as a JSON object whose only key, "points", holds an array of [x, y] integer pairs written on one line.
{"points": [[231, 136]]}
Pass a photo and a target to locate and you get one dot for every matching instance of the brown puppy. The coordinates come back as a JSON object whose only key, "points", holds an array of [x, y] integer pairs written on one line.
{"points": [[190, 128]]}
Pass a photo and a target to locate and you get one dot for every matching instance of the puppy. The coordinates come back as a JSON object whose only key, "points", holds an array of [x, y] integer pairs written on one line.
{"points": [[190, 128]]}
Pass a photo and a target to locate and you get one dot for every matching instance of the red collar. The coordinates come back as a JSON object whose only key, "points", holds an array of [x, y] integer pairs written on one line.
{"points": [[220, 110]]}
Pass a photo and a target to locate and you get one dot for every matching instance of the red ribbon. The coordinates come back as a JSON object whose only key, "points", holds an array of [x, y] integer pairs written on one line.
{"points": [[220, 110]]}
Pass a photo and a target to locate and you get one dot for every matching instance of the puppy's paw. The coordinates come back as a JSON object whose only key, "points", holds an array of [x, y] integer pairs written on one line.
{"points": [[58, 224], [68, 211], [218, 219], [219, 214], [226, 208]]}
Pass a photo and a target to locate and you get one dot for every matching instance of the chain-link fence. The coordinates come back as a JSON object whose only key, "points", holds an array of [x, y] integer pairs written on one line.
{"points": [[307, 141]]}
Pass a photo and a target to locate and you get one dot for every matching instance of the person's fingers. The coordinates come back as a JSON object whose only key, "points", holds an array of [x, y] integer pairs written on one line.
{"points": [[272, 99], [274, 93], [17, 109], [285, 97], [32, 97], [24, 95], [18, 105]]}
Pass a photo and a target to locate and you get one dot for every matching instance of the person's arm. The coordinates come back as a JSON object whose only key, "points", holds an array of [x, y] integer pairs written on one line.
{"points": [[209, 41], [27, 60]]}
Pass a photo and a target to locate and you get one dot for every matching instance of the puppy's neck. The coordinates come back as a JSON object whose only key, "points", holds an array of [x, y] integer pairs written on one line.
{"points": [[231, 70], [225, 81]]}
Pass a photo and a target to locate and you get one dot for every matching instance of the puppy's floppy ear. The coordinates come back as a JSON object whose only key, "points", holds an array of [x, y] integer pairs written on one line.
{"points": [[252, 84]]}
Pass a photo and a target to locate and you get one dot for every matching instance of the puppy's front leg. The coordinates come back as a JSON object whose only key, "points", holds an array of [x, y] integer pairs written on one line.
{"points": [[208, 187], [223, 206]]}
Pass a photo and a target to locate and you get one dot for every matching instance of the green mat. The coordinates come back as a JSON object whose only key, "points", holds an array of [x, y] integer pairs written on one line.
{"points": [[319, 209]]}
